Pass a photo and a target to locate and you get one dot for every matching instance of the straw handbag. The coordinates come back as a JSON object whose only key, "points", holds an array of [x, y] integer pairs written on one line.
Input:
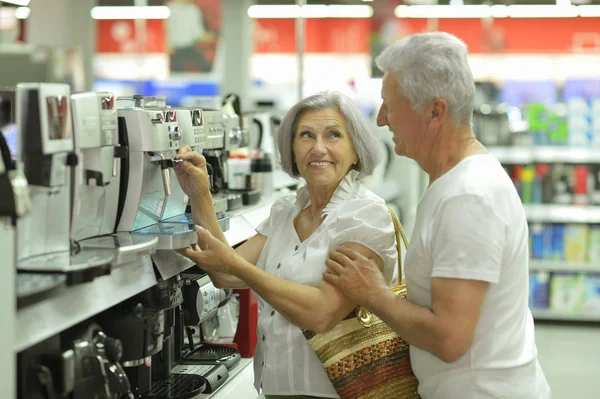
{"points": [[363, 357]]}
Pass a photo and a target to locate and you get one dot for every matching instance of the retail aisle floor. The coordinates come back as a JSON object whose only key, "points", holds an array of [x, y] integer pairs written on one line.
{"points": [[570, 357]]}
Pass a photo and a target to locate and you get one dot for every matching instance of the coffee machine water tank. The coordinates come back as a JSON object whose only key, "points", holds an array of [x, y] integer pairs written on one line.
{"points": [[96, 185], [44, 127]]}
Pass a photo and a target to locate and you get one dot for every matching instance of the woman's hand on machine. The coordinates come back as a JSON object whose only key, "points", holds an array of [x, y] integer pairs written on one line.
{"points": [[192, 172], [210, 254]]}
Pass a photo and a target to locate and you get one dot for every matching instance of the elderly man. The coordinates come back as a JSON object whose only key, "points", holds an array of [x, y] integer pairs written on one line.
{"points": [[467, 319]]}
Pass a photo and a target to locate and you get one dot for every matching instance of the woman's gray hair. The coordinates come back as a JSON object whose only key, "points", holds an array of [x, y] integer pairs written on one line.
{"points": [[365, 144], [429, 66]]}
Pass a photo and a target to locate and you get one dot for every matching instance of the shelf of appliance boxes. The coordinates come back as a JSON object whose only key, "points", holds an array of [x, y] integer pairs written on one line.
{"points": [[75, 304], [551, 213], [545, 154], [564, 316], [537, 265]]}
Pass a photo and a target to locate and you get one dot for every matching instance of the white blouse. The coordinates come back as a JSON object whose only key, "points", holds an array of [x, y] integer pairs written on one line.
{"points": [[284, 363]]}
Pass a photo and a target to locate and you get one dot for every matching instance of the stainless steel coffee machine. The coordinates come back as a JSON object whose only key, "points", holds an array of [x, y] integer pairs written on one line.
{"points": [[43, 116], [96, 180], [151, 202], [194, 134], [216, 156], [15, 202]]}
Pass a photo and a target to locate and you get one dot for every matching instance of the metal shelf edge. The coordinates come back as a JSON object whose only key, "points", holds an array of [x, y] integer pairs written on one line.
{"points": [[551, 315], [75, 304], [550, 266]]}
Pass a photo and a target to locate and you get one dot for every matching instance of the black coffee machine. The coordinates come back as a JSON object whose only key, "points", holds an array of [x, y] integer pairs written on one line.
{"points": [[145, 325], [80, 363], [202, 301]]}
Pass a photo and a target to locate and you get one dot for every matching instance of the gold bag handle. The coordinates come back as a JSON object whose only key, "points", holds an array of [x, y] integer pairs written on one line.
{"points": [[363, 315]]}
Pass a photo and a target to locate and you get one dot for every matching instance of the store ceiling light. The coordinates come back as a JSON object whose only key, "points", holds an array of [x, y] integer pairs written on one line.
{"points": [[22, 12], [310, 11], [589, 11], [443, 11], [123, 12], [542, 11], [497, 11], [22, 3]]}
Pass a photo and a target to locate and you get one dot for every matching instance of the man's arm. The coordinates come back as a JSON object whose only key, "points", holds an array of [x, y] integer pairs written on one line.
{"points": [[447, 329]]}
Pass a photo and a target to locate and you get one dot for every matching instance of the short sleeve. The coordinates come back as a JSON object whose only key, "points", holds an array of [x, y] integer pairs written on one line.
{"points": [[367, 222], [279, 212], [468, 240]]}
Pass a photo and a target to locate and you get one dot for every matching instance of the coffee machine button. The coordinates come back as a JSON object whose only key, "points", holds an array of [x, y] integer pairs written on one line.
{"points": [[159, 118], [176, 133]]}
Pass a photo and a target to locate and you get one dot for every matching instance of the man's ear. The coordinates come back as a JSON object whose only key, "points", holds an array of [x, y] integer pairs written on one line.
{"points": [[438, 110]]}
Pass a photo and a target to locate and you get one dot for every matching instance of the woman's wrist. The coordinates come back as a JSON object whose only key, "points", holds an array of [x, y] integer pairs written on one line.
{"points": [[237, 265]]}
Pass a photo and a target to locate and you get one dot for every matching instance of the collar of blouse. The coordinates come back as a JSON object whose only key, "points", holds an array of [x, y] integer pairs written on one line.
{"points": [[343, 193]]}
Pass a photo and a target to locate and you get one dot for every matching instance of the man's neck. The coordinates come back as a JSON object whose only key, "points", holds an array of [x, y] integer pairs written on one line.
{"points": [[451, 146]]}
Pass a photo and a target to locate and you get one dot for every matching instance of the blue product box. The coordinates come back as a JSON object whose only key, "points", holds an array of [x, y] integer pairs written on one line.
{"points": [[536, 232], [557, 246], [539, 290]]}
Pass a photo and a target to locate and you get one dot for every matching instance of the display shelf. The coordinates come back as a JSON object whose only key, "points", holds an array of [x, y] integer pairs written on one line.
{"points": [[239, 384], [244, 221], [564, 316], [77, 303], [512, 155], [553, 266], [545, 154], [549, 213]]}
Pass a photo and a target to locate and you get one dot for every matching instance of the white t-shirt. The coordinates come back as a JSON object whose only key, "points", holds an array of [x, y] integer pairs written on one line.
{"points": [[471, 225], [184, 25], [284, 362]]}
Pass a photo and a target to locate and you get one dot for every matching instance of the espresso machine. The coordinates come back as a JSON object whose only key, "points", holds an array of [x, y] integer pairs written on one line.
{"points": [[215, 154], [202, 301], [97, 182], [43, 121], [15, 202], [151, 202], [145, 325], [193, 133], [98, 372], [80, 363]]}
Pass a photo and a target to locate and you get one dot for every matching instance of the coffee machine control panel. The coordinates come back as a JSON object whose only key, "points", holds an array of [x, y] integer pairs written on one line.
{"points": [[94, 120], [151, 129], [214, 129], [191, 123]]}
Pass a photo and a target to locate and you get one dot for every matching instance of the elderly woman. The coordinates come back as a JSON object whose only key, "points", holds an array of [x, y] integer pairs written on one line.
{"points": [[325, 140]]}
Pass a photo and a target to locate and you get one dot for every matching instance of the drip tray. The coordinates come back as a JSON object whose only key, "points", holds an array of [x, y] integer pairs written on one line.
{"points": [[127, 247], [187, 219], [171, 235], [213, 354], [32, 287], [177, 386], [81, 267]]}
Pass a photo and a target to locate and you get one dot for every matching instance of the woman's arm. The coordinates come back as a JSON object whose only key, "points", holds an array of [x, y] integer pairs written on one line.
{"points": [[193, 177], [317, 308], [250, 251]]}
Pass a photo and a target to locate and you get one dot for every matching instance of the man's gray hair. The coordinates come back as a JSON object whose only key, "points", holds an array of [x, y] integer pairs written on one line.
{"points": [[365, 144], [429, 66]]}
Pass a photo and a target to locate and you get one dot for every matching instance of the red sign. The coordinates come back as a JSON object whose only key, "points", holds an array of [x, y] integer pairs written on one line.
{"points": [[118, 36], [327, 35]]}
